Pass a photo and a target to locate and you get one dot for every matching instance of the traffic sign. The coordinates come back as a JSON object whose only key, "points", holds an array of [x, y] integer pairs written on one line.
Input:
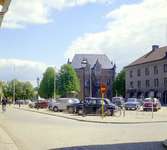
{"points": [[103, 88]]}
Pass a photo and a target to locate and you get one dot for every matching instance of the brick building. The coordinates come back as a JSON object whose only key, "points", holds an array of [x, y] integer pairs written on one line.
{"points": [[148, 74], [93, 69]]}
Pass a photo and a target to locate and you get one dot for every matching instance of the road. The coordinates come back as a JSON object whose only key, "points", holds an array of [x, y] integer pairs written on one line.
{"points": [[33, 131]]}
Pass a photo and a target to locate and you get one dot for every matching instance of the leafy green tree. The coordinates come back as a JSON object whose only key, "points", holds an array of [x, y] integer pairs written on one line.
{"points": [[119, 84], [22, 90], [28, 91], [46, 89], [1, 89], [67, 81]]}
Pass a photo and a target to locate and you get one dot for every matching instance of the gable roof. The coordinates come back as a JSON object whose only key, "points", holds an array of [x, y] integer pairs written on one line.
{"points": [[154, 55], [92, 59]]}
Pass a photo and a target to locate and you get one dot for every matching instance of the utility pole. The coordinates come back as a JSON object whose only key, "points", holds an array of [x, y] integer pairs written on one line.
{"points": [[14, 85], [55, 85]]}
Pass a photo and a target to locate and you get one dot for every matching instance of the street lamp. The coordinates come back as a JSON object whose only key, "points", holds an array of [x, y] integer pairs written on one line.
{"points": [[55, 85], [38, 80], [84, 63], [14, 89]]}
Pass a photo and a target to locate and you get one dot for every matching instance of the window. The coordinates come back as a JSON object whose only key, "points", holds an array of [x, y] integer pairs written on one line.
{"points": [[155, 70], [139, 84], [165, 67], [147, 83], [131, 84], [131, 74], [147, 72], [138, 72], [165, 82], [156, 82]]}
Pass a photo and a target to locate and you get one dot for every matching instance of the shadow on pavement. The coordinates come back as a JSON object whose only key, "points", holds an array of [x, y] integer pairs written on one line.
{"points": [[123, 146]]}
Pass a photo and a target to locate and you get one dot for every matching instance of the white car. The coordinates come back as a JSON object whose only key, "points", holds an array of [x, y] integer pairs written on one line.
{"points": [[62, 103]]}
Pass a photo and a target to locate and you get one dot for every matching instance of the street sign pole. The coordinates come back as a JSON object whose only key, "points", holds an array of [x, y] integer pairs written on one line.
{"points": [[102, 105], [103, 90], [152, 98]]}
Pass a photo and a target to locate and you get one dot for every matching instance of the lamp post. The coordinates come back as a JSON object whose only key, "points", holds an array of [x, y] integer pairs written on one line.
{"points": [[14, 89], [38, 80], [84, 63], [55, 85]]}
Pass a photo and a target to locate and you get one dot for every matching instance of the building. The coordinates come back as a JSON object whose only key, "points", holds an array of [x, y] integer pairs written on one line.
{"points": [[148, 74], [92, 70]]}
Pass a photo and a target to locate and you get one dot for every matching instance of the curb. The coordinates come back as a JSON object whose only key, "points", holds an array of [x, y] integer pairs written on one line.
{"points": [[165, 143], [91, 121]]}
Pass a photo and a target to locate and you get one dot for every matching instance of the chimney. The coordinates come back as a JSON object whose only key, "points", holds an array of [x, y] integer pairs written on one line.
{"points": [[155, 47]]}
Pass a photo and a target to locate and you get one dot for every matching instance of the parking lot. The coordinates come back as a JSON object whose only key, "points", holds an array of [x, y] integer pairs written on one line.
{"points": [[129, 116]]}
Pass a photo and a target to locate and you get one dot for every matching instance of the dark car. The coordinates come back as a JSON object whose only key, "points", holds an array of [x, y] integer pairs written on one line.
{"points": [[132, 104], [93, 106], [119, 101], [41, 104], [149, 104]]}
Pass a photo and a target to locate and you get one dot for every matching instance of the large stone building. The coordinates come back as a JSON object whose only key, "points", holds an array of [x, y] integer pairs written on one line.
{"points": [[148, 74], [93, 69]]}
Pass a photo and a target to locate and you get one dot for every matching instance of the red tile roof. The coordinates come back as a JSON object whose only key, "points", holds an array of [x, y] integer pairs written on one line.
{"points": [[154, 55]]}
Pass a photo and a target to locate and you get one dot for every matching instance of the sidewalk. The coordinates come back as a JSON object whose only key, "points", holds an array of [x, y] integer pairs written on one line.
{"points": [[131, 117], [6, 143]]}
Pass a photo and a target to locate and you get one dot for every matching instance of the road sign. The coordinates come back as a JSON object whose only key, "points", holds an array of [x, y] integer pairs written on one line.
{"points": [[103, 88]]}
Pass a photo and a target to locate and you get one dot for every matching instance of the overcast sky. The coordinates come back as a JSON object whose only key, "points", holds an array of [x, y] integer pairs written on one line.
{"points": [[40, 33]]}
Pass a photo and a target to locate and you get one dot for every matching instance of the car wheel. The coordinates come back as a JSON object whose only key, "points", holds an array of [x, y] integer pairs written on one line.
{"points": [[70, 110], [55, 109], [80, 112], [108, 113]]}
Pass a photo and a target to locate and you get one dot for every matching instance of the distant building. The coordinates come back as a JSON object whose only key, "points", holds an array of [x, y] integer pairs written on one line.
{"points": [[93, 69], [148, 74]]}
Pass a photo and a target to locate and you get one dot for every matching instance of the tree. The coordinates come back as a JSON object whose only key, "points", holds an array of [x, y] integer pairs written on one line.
{"points": [[28, 91], [67, 81], [22, 90], [1, 90], [119, 84], [46, 89]]}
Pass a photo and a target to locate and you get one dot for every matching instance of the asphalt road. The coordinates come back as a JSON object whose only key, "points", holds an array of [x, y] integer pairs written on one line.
{"points": [[33, 131]]}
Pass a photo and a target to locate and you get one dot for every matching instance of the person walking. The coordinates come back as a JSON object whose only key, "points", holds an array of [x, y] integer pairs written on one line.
{"points": [[4, 103]]}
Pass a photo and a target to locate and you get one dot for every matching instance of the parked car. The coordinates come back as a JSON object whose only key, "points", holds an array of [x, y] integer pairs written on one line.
{"points": [[50, 103], [93, 106], [62, 103], [19, 102], [148, 103], [41, 104], [119, 101], [27, 101], [31, 104], [132, 104]]}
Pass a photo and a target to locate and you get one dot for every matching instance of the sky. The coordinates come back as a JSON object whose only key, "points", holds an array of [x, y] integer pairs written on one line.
{"points": [[39, 33]]}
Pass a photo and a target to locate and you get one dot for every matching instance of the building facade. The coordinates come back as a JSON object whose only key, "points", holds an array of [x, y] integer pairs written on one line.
{"points": [[92, 70], [148, 74]]}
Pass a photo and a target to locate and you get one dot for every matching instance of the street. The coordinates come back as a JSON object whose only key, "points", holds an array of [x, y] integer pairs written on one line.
{"points": [[33, 131]]}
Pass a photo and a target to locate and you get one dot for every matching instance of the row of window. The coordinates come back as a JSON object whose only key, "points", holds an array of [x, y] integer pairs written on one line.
{"points": [[147, 83], [147, 71]]}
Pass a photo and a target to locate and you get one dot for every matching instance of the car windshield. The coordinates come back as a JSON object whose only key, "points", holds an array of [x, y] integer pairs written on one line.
{"points": [[131, 100]]}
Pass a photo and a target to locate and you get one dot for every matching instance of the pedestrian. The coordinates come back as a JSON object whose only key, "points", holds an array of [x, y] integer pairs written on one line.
{"points": [[4, 103]]}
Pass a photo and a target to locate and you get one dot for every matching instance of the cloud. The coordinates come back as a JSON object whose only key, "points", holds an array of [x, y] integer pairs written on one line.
{"points": [[129, 33], [21, 69], [24, 12]]}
